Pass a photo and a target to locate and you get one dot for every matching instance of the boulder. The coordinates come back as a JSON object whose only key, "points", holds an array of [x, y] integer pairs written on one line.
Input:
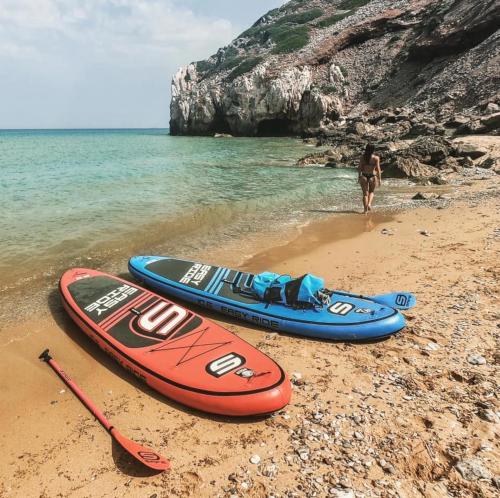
{"points": [[450, 163], [420, 129], [466, 162], [419, 196], [491, 108], [489, 163], [438, 180], [407, 167], [456, 121], [491, 122], [471, 127], [320, 158], [429, 150], [469, 150]]}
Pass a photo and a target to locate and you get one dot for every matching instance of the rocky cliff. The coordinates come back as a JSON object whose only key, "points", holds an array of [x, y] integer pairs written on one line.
{"points": [[306, 67]]}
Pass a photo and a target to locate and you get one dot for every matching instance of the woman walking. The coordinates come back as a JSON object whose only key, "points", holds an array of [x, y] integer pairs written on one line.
{"points": [[370, 175]]}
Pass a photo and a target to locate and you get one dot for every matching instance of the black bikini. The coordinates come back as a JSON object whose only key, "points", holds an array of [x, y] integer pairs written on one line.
{"points": [[368, 176]]}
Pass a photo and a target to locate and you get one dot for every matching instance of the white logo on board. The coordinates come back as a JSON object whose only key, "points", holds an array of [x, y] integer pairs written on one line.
{"points": [[340, 308], [195, 274], [154, 317], [223, 365], [111, 299]]}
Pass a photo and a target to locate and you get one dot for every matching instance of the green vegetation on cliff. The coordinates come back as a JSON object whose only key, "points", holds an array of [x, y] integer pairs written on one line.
{"points": [[352, 4], [290, 39], [300, 17], [284, 30], [330, 20], [245, 66]]}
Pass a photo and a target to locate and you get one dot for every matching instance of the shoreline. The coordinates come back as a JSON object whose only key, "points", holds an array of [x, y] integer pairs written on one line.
{"points": [[416, 382], [111, 256], [196, 235]]}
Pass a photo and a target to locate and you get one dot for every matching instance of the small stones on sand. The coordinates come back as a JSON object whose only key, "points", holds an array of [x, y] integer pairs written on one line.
{"points": [[297, 379], [425, 233], [419, 196], [255, 459], [471, 469], [432, 346], [476, 359], [303, 454], [386, 466], [387, 231], [341, 493], [488, 415], [270, 470]]}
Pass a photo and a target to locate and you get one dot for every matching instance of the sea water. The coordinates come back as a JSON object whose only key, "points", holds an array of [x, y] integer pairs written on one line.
{"points": [[71, 196]]}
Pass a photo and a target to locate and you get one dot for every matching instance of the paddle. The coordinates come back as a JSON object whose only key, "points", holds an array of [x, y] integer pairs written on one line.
{"points": [[396, 300], [145, 455]]}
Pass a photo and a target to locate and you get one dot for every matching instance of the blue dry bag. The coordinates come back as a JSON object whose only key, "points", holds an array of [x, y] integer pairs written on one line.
{"points": [[305, 291]]}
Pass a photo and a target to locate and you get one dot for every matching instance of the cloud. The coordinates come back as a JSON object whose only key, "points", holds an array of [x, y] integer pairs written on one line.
{"points": [[100, 28], [105, 63]]}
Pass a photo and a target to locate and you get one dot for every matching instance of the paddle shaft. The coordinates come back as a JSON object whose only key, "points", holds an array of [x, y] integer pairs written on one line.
{"points": [[359, 296], [76, 390]]}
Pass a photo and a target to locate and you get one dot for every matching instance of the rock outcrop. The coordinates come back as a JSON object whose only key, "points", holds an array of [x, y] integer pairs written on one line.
{"points": [[306, 67]]}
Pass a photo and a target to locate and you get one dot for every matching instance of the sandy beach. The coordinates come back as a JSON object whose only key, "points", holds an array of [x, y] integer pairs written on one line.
{"points": [[413, 415]]}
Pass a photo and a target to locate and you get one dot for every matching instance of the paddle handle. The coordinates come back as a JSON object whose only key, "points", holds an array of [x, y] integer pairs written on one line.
{"points": [[45, 356]]}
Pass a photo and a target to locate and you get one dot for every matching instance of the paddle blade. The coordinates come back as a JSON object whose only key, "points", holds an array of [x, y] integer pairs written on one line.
{"points": [[396, 300], [145, 455]]}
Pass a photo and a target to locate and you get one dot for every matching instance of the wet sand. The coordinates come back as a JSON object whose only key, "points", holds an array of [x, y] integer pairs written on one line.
{"points": [[396, 416]]}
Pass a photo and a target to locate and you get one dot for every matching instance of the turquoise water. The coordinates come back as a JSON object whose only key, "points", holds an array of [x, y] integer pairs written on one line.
{"points": [[65, 195]]}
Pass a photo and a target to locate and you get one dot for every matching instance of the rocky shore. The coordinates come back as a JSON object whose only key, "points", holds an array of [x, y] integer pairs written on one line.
{"points": [[415, 147]]}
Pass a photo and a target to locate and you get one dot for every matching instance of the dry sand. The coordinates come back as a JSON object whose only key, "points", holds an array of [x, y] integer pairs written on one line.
{"points": [[409, 416]]}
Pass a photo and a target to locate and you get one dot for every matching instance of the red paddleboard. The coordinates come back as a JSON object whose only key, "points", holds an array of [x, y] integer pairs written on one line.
{"points": [[175, 351]]}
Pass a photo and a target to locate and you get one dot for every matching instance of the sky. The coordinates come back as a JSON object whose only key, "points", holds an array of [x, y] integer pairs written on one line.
{"points": [[106, 63]]}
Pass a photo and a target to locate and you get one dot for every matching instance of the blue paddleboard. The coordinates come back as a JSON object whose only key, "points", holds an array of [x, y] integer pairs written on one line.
{"points": [[227, 291]]}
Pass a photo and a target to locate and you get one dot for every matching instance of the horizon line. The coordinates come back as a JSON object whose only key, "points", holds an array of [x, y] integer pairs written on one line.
{"points": [[85, 128]]}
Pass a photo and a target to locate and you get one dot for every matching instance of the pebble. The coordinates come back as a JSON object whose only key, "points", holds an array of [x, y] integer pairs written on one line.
{"points": [[425, 233], [476, 359], [303, 454], [432, 346], [341, 493], [386, 466], [297, 379], [270, 470], [472, 469], [255, 459], [488, 415]]}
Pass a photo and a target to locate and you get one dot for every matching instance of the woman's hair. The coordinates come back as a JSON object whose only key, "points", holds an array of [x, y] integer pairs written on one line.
{"points": [[369, 150]]}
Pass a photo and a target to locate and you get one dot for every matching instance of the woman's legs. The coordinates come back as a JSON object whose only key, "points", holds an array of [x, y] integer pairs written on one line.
{"points": [[371, 192], [364, 186]]}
